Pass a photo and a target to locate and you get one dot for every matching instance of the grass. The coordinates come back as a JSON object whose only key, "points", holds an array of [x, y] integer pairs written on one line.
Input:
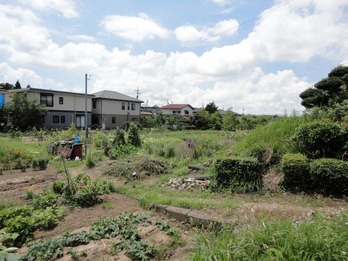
{"points": [[317, 238]]}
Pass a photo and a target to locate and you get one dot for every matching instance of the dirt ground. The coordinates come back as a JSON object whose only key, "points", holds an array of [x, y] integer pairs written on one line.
{"points": [[15, 184]]}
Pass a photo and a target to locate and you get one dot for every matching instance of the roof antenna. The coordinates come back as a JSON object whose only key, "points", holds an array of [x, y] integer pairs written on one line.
{"points": [[138, 92]]}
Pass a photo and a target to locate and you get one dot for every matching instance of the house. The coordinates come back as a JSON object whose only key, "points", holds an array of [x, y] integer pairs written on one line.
{"points": [[111, 109], [149, 110], [177, 109], [63, 107]]}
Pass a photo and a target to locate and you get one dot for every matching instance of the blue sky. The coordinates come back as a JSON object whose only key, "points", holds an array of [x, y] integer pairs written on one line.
{"points": [[249, 55]]}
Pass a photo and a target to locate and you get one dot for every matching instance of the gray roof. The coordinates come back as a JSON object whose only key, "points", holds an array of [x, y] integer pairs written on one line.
{"points": [[112, 95]]}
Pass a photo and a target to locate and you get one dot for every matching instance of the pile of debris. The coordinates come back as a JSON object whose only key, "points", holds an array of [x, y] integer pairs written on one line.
{"points": [[188, 183]]}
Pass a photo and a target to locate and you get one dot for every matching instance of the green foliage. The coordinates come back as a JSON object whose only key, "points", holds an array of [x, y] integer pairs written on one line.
{"points": [[229, 121], [47, 218], [120, 138], [86, 191], [317, 238], [273, 137], [49, 199], [58, 187], [239, 174], [330, 176], [136, 167], [296, 173], [327, 91], [39, 164], [25, 114], [320, 139], [122, 226], [134, 135]]}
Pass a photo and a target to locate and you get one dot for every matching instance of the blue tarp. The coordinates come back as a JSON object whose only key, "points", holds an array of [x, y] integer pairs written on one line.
{"points": [[2, 100]]}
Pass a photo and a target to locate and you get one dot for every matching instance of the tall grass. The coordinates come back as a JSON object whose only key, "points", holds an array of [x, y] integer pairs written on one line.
{"points": [[275, 136], [317, 238]]}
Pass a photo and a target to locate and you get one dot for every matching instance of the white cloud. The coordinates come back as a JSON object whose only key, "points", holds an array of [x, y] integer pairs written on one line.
{"points": [[190, 34], [221, 2], [65, 7], [134, 28], [299, 30], [24, 76], [82, 38]]}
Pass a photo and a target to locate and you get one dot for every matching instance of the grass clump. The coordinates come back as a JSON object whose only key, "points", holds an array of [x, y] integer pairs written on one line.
{"points": [[317, 238]]}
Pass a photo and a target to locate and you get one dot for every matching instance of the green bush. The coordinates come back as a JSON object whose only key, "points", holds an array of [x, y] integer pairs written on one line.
{"points": [[134, 135], [59, 187], [47, 200], [330, 176], [296, 172], [320, 139], [39, 164], [239, 173]]}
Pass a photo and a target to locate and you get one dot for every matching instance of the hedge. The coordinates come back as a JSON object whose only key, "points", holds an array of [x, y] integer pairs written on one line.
{"points": [[296, 172], [239, 174], [330, 176]]}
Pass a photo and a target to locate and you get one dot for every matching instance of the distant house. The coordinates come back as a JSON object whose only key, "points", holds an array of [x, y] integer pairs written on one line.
{"points": [[149, 110], [63, 108], [111, 109], [177, 109]]}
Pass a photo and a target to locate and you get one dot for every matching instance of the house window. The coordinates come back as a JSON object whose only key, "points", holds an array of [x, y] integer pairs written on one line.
{"points": [[113, 120], [123, 106], [55, 119], [128, 106], [46, 99], [133, 106], [61, 100], [80, 121], [62, 119], [134, 119], [187, 112], [94, 104]]}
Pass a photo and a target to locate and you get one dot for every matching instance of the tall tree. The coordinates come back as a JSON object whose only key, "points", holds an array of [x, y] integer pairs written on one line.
{"points": [[328, 91], [18, 85], [6, 86], [211, 107], [24, 114]]}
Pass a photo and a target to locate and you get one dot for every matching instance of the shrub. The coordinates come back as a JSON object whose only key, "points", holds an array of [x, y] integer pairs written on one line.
{"points": [[320, 139], [134, 135], [59, 187], [39, 164], [239, 173], [46, 200], [296, 172], [330, 176]]}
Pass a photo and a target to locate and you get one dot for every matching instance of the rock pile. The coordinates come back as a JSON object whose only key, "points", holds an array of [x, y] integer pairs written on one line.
{"points": [[187, 183]]}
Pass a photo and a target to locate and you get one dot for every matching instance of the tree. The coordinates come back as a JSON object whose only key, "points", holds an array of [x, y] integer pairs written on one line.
{"points": [[229, 121], [6, 86], [328, 91], [24, 114], [211, 107], [18, 85]]}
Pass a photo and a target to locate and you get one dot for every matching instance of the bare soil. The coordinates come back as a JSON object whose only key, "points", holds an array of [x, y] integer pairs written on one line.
{"points": [[15, 184]]}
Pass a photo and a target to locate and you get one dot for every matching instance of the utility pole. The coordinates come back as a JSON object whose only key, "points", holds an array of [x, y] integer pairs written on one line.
{"points": [[86, 125], [138, 92]]}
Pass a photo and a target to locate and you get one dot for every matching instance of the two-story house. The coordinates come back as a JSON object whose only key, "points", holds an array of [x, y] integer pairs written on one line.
{"points": [[177, 109], [63, 107], [111, 109]]}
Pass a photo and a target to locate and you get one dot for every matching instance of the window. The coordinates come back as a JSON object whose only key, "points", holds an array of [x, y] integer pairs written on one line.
{"points": [[113, 120], [127, 105], [46, 99], [133, 106], [187, 112], [61, 100], [80, 121], [55, 119], [123, 106], [62, 119], [94, 104]]}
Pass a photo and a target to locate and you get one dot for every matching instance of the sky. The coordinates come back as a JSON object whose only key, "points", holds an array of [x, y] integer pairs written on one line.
{"points": [[251, 56]]}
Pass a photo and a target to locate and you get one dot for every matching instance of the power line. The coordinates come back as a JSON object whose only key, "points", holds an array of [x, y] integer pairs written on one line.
{"points": [[200, 41]]}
